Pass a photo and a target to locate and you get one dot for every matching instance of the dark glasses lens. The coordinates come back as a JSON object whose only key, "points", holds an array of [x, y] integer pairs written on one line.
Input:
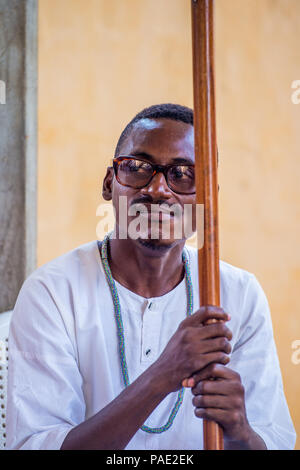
{"points": [[138, 174], [181, 179], [134, 173]]}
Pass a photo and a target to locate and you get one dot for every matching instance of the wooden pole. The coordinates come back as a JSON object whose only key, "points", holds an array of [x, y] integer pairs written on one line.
{"points": [[206, 171]]}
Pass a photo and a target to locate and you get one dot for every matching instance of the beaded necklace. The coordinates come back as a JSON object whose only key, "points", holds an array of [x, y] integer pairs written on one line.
{"points": [[120, 329]]}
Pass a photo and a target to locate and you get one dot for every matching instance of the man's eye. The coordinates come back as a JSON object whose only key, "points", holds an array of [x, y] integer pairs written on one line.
{"points": [[180, 172], [177, 172], [137, 166], [132, 166]]}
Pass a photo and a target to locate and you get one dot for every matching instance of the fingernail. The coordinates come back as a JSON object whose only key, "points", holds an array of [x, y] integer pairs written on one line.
{"points": [[188, 383], [191, 383]]}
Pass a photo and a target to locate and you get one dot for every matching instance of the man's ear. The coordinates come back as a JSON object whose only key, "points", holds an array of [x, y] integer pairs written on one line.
{"points": [[107, 184]]}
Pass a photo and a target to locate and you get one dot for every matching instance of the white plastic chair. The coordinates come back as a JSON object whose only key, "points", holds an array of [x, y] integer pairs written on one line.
{"points": [[4, 328]]}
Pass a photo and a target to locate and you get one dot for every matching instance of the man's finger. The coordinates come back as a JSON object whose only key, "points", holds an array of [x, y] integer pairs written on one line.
{"points": [[211, 359], [220, 416], [205, 314], [216, 330], [215, 371], [212, 401]]}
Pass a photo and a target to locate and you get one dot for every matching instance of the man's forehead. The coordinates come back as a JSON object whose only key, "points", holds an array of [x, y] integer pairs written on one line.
{"points": [[166, 133], [148, 124]]}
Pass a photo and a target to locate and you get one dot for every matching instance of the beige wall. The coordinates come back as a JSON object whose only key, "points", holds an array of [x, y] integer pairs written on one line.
{"points": [[101, 61]]}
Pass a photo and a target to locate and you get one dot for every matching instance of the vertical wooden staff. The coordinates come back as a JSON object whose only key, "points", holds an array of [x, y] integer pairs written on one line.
{"points": [[206, 171]]}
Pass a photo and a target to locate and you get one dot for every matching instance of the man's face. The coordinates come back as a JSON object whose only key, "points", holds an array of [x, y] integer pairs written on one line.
{"points": [[161, 142]]}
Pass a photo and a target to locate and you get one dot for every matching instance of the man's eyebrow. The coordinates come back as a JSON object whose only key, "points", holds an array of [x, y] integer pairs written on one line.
{"points": [[183, 160], [141, 154], [179, 160]]}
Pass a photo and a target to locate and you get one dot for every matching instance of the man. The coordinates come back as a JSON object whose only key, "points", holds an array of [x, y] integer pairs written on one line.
{"points": [[102, 338]]}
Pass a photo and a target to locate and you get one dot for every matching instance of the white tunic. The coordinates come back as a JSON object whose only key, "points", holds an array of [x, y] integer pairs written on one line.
{"points": [[64, 362]]}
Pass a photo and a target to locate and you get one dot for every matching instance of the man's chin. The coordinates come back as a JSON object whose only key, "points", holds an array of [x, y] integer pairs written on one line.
{"points": [[156, 246]]}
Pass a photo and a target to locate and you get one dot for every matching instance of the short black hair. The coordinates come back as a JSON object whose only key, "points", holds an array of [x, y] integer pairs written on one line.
{"points": [[176, 112]]}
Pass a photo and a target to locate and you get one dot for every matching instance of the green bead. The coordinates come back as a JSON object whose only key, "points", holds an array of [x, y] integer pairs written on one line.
{"points": [[120, 329]]}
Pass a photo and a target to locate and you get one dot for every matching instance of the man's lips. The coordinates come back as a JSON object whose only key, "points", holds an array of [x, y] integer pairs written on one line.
{"points": [[155, 209], [156, 213]]}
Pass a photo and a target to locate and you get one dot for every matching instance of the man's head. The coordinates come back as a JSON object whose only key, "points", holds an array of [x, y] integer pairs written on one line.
{"points": [[175, 112], [160, 135]]}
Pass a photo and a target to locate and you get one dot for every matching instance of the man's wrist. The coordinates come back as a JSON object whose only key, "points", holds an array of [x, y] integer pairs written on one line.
{"points": [[249, 440], [160, 380]]}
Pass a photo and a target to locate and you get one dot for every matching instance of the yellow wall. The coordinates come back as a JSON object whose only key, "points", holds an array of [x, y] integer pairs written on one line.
{"points": [[101, 61]]}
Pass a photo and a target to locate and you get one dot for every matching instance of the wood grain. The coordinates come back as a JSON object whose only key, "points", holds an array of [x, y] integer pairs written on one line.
{"points": [[206, 170]]}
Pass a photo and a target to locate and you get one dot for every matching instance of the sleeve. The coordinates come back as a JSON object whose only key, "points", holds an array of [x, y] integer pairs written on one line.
{"points": [[255, 358], [45, 398]]}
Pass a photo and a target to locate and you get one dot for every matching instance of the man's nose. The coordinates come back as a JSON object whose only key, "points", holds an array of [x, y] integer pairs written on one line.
{"points": [[158, 188]]}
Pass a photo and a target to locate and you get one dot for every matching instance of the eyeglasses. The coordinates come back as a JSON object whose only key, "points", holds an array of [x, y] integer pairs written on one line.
{"points": [[136, 173]]}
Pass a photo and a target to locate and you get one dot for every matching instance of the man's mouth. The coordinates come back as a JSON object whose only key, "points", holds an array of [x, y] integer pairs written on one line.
{"points": [[153, 208], [155, 212]]}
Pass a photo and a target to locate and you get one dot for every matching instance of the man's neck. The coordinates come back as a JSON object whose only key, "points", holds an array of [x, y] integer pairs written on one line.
{"points": [[137, 268]]}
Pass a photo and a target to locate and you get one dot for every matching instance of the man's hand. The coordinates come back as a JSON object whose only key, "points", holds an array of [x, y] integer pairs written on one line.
{"points": [[194, 346], [222, 400]]}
